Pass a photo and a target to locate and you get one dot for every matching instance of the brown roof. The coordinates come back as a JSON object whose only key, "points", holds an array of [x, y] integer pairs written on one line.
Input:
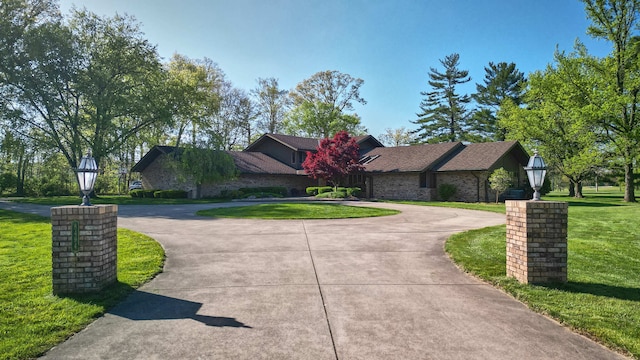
{"points": [[407, 158], [482, 156], [259, 163], [296, 143]]}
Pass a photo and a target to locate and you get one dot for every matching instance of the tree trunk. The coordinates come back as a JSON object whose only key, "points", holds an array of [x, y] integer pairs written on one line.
{"points": [[578, 190], [572, 189], [629, 190]]}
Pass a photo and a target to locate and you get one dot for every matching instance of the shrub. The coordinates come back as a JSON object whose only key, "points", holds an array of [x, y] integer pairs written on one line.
{"points": [[279, 190], [136, 193], [231, 194], [446, 191], [324, 189], [354, 191], [148, 193], [332, 195], [170, 194]]}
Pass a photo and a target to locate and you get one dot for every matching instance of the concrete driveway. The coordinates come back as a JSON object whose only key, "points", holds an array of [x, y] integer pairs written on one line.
{"points": [[375, 288]]}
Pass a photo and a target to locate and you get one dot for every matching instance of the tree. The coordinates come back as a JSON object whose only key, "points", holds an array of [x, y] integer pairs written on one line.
{"points": [[499, 180], [617, 21], [271, 104], [443, 116], [557, 118], [397, 137], [322, 103], [501, 81], [334, 159], [91, 83]]}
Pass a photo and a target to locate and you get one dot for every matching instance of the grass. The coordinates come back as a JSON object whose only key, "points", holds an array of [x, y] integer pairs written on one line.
{"points": [[110, 199], [493, 207], [296, 211], [602, 296], [32, 320]]}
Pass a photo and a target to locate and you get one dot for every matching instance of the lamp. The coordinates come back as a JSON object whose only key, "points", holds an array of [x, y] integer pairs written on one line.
{"points": [[536, 171], [87, 173]]}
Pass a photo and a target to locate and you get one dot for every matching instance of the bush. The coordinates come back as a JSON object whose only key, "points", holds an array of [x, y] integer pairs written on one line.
{"points": [[276, 190], [446, 191], [332, 195], [231, 194], [136, 193], [170, 194], [354, 191], [315, 190], [148, 193]]}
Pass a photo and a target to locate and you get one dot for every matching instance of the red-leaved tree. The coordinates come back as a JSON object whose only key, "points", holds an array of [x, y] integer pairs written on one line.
{"points": [[334, 159]]}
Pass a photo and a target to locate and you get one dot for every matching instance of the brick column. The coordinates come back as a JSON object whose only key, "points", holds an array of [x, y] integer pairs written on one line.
{"points": [[85, 248], [537, 241]]}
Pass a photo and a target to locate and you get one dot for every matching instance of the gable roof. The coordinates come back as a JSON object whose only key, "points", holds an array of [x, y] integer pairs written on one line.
{"points": [[258, 163], [296, 143], [149, 157], [407, 158], [482, 156]]}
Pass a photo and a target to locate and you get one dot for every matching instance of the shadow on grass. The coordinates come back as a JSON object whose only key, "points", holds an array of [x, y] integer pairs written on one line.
{"points": [[617, 292], [105, 298]]}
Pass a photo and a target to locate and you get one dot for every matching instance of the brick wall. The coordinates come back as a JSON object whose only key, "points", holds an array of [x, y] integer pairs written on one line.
{"points": [[400, 186], [84, 255], [537, 241], [471, 187], [295, 184]]}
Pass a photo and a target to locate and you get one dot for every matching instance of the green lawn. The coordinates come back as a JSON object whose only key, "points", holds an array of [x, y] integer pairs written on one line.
{"points": [[296, 211], [32, 320], [110, 199], [602, 296]]}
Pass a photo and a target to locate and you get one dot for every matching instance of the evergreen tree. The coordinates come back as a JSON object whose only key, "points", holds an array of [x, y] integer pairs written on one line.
{"points": [[443, 115], [501, 81]]}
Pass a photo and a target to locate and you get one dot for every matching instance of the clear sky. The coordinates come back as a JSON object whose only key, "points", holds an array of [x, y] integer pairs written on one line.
{"points": [[390, 44]]}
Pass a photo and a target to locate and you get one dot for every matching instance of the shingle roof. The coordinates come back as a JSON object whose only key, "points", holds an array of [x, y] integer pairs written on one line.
{"points": [[296, 143], [407, 158], [482, 156], [259, 163], [149, 157]]}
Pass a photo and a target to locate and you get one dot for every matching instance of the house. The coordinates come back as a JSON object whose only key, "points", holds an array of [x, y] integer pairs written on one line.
{"points": [[406, 172]]}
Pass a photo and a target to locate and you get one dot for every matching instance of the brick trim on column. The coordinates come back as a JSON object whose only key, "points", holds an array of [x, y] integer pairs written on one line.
{"points": [[84, 249], [537, 241]]}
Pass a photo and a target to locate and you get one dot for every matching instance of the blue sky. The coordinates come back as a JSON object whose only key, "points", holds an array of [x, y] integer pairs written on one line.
{"points": [[390, 44]]}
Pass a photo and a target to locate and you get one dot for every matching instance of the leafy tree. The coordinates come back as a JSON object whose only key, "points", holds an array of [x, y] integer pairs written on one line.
{"points": [[499, 180], [617, 21], [334, 159], [91, 83], [443, 116], [321, 105], [501, 81], [556, 120], [271, 104], [397, 137]]}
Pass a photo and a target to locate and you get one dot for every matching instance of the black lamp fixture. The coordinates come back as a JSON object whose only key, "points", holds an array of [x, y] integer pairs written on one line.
{"points": [[87, 173], [536, 171]]}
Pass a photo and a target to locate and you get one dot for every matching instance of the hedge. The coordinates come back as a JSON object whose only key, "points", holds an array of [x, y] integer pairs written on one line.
{"points": [[276, 190], [170, 194]]}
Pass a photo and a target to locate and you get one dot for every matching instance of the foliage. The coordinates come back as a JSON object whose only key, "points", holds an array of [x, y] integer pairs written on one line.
{"points": [[296, 211], [443, 116], [616, 94], [170, 194], [89, 83], [321, 105], [272, 104], [279, 190], [557, 120], [334, 159], [203, 165], [315, 190], [397, 137], [32, 320], [7, 181], [338, 193], [502, 81], [446, 191], [601, 296], [138, 193], [499, 180], [111, 199]]}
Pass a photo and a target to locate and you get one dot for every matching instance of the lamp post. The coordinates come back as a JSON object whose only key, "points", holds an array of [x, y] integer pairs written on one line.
{"points": [[87, 173], [536, 171]]}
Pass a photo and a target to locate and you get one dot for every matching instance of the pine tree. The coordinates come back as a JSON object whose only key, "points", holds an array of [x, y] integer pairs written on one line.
{"points": [[501, 81], [444, 115]]}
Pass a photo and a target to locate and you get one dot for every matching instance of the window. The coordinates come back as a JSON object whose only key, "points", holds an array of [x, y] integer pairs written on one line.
{"points": [[427, 180], [423, 179], [293, 157]]}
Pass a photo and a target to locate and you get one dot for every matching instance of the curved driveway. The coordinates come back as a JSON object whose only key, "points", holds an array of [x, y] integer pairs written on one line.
{"points": [[373, 288]]}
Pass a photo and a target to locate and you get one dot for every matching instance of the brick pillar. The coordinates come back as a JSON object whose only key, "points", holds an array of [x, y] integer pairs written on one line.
{"points": [[85, 248], [537, 241]]}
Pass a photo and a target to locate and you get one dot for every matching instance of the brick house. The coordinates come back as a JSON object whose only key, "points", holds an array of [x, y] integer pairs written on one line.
{"points": [[406, 172]]}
